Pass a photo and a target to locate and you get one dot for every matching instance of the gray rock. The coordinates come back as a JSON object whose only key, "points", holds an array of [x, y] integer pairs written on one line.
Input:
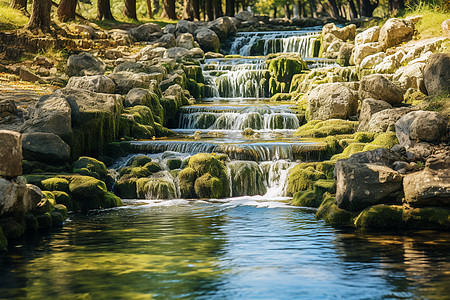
{"points": [[379, 87], [170, 28], [368, 36], [395, 31], [125, 81], [185, 40], [362, 51], [178, 53], [437, 74], [244, 16], [345, 33], [45, 147], [95, 83], [369, 107], [10, 153], [145, 32], [223, 27], [139, 96], [84, 64], [207, 39], [331, 101], [167, 40], [345, 52], [141, 67], [172, 80], [184, 26], [121, 36], [384, 120]]}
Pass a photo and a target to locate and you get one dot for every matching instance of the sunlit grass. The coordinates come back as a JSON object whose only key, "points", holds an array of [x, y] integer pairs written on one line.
{"points": [[433, 16], [11, 18]]}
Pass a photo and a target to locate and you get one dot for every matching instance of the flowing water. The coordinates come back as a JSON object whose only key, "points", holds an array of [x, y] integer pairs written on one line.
{"points": [[252, 245]]}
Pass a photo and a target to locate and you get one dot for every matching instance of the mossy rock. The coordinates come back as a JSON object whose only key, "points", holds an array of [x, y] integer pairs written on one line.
{"points": [[385, 140], [141, 114], [142, 132], [85, 187], [155, 188], [92, 165], [37, 179], [207, 186], [57, 218], [333, 215], [139, 161], [86, 172], [139, 172], [187, 178], [64, 199], [306, 199], [284, 66], [49, 196], [381, 217], [206, 163], [437, 218], [301, 178], [152, 167], [126, 188], [44, 206], [3, 241], [349, 150], [62, 209], [45, 221], [12, 228], [55, 184], [31, 224], [317, 128], [364, 137], [323, 186], [110, 200], [326, 167], [174, 163]]}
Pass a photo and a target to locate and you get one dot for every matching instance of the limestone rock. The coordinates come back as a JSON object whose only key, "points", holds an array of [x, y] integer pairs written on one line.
{"points": [[346, 33], [331, 101], [10, 153], [121, 36], [410, 76], [446, 28], [384, 120], [45, 147], [185, 40], [437, 74], [207, 39], [368, 36], [369, 107], [177, 53], [167, 40], [379, 87], [84, 64], [372, 60], [362, 51], [95, 83], [395, 31], [223, 27], [170, 28], [244, 16], [144, 32], [345, 52], [125, 81]]}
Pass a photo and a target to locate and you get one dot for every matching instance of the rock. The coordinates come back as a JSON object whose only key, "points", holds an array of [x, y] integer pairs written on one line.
{"points": [[246, 178], [139, 96], [369, 107], [177, 53], [223, 27], [333, 49], [446, 28], [362, 51], [329, 39], [171, 81], [43, 61], [368, 36], [345, 52], [395, 31], [121, 36], [197, 53], [344, 34], [384, 120], [28, 75], [144, 32], [84, 64], [95, 83], [365, 179], [7, 107], [379, 87], [85, 30], [52, 114], [437, 74], [207, 39], [141, 67], [184, 26], [331, 101], [418, 151], [91, 165], [167, 40], [45, 147], [170, 28], [430, 187], [185, 40], [125, 81], [150, 52], [410, 76], [372, 60], [420, 125], [214, 55], [244, 16], [389, 64], [10, 153]]}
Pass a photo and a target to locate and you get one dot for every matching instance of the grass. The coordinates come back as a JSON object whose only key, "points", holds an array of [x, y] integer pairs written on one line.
{"points": [[433, 16], [11, 18]]}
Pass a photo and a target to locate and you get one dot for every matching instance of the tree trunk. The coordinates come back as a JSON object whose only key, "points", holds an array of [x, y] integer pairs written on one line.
{"points": [[287, 11], [129, 9], [352, 9], [40, 16], [217, 8], [66, 10], [229, 8], [19, 4], [312, 8], [187, 10], [209, 13], [169, 10], [296, 10], [156, 7], [395, 6], [334, 7], [367, 8], [104, 10], [149, 9], [274, 12], [196, 9]]}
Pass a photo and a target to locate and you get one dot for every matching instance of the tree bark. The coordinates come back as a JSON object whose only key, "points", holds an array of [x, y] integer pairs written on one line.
{"points": [[274, 12], [395, 6], [217, 8], [104, 10], [196, 9], [287, 11], [169, 10], [66, 10], [188, 13], [156, 7], [312, 8], [296, 10], [367, 8], [352, 9], [129, 9], [19, 4], [209, 13], [149, 9], [229, 8], [334, 7], [40, 16]]}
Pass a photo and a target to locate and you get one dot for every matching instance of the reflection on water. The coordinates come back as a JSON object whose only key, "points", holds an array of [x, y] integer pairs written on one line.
{"points": [[239, 249]]}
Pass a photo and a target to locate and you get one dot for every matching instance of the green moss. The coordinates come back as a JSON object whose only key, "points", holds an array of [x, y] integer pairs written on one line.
{"points": [[349, 150], [3, 241], [187, 178], [174, 163], [139, 161], [37, 179], [194, 73], [306, 199], [44, 206], [326, 128], [364, 137], [427, 218], [152, 167], [86, 187], [110, 200], [62, 210], [326, 167], [141, 114], [55, 184], [380, 216], [385, 140], [301, 178], [333, 215], [207, 186], [92, 165], [155, 188], [140, 172], [86, 172], [64, 199], [49, 196], [323, 186], [44, 221], [57, 218], [126, 188]]}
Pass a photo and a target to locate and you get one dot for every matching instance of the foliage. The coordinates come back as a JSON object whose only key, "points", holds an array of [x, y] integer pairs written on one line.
{"points": [[11, 18], [433, 13]]}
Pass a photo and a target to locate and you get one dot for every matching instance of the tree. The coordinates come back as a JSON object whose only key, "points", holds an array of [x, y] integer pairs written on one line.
{"points": [[66, 10], [395, 6], [129, 9], [149, 8], [156, 6], [287, 11], [169, 10], [40, 16], [352, 9], [209, 13], [217, 8], [104, 10], [366, 7], [312, 8], [188, 10], [229, 8], [334, 7], [196, 9], [19, 4]]}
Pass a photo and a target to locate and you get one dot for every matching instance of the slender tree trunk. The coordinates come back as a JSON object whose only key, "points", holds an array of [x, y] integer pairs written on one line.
{"points": [[217, 8], [149, 9], [40, 15], [156, 7], [296, 9], [395, 6], [274, 12], [367, 8], [209, 12], [188, 13], [196, 9], [229, 8], [312, 8], [334, 7], [66, 10], [287, 11], [104, 10], [19, 4], [169, 10], [352, 9], [129, 9]]}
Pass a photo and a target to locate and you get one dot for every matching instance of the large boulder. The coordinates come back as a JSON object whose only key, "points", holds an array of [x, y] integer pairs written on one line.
{"points": [[178, 53], [167, 40], [125, 81], [145, 32], [379, 87], [184, 26], [121, 36], [45, 147], [244, 16], [185, 40], [331, 101], [344, 54], [10, 153], [427, 126], [84, 64], [372, 60], [52, 114], [207, 39], [368, 36], [223, 27], [367, 179], [369, 107], [395, 31], [344, 34], [362, 51], [410, 76], [437, 74], [384, 120], [446, 28], [430, 187], [95, 83]]}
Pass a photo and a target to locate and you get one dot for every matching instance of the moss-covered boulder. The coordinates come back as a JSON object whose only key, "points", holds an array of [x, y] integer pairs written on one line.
{"points": [[125, 187], [187, 178], [155, 188], [326, 128], [302, 177], [65, 199], [247, 178], [93, 166], [55, 184], [282, 68], [332, 214], [380, 217]]}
